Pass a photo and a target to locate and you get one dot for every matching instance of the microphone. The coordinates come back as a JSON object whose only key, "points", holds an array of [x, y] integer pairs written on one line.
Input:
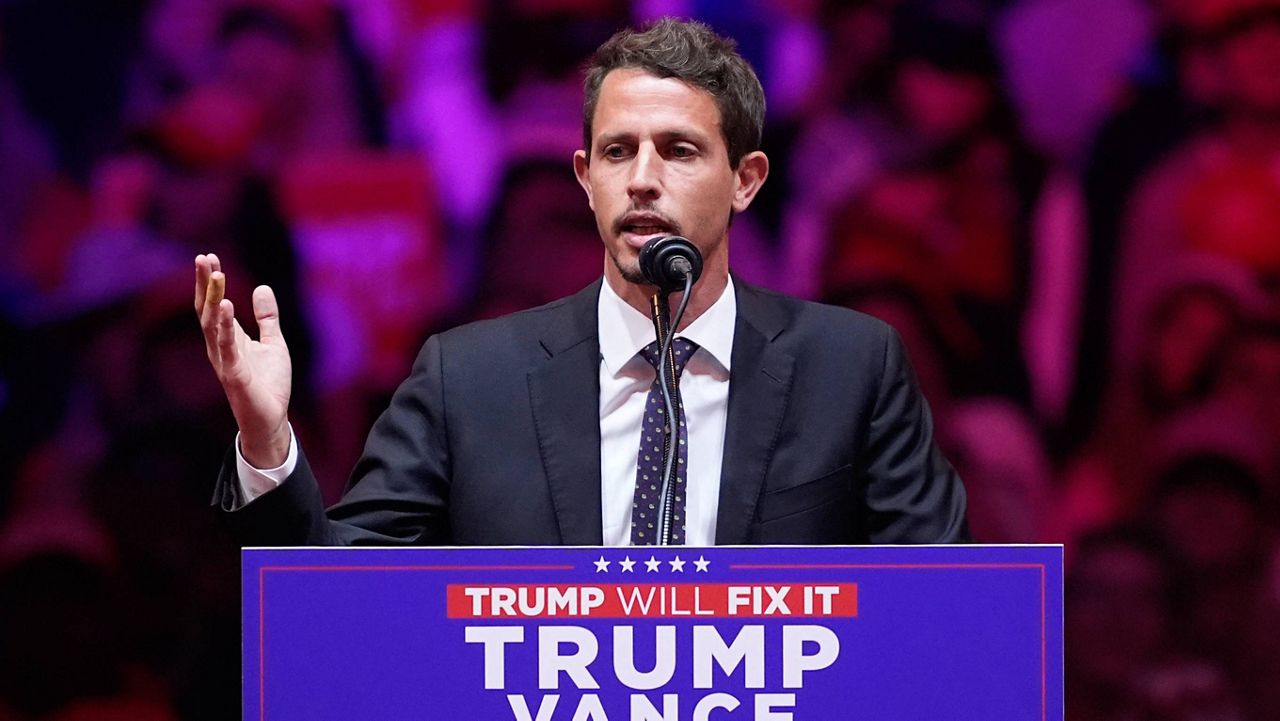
{"points": [[671, 263], [666, 261]]}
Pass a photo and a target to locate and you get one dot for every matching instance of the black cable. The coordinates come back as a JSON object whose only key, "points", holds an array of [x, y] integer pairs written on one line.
{"points": [[673, 419]]}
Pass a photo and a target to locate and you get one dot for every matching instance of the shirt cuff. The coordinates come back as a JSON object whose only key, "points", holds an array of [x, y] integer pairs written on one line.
{"points": [[256, 481]]}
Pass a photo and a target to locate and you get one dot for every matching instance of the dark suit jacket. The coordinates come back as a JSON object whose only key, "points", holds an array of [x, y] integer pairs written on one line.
{"points": [[494, 439]]}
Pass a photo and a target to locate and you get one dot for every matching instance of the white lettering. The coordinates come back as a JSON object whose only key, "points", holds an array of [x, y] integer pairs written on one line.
{"points": [[794, 660], [747, 649], [589, 709], [624, 661], [642, 708], [592, 597], [504, 601], [766, 701], [477, 598], [495, 639], [551, 662], [777, 600], [521, 709], [562, 601], [710, 702], [636, 600]]}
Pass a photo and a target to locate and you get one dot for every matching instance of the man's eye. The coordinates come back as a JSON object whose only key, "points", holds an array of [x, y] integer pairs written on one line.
{"points": [[613, 151], [681, 151]]}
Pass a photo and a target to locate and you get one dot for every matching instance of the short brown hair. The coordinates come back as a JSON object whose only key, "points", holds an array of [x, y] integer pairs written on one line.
{"points": [[692, 52]]}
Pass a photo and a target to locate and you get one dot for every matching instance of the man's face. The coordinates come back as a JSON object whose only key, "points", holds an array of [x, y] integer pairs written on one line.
{"points": [[658, 165]]}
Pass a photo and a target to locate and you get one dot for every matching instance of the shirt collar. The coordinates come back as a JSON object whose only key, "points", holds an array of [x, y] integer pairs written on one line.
{"points": [[625, 331]]}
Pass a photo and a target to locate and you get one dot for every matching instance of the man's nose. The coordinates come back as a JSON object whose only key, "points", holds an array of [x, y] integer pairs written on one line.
{"points": [[645, 182]]}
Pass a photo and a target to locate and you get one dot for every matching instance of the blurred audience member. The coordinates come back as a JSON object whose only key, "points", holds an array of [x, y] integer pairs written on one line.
{"points": [[292, 61], [542, 244], [438, 105], [69, 62], [1121, 662], [28, 165], [1167, 98], [901, 306], [1250, 381], [1261, 655], [1209, 469], [1170, 362], [1218, 192], [1117, 598], [839, 138], [998, 452], [949, 215]]}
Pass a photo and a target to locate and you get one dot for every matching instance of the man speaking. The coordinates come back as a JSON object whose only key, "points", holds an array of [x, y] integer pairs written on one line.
{"points": [[797, 423]]}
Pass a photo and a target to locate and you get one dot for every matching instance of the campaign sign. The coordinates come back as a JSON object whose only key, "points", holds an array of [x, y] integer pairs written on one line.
{"points": [[900, 633]]}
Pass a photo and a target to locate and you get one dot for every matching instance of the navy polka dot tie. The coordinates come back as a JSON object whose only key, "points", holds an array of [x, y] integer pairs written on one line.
{"points": [[645, 511]]}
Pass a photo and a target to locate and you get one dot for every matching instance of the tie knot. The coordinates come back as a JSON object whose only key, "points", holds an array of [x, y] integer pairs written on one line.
{"points": [[681, 348]]}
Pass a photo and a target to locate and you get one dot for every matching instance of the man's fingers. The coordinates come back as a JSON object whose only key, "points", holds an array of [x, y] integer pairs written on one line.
{"points": [[267, 312], [209, 307], [225, 333], [206, 267], [217, 289], [202, 280]]}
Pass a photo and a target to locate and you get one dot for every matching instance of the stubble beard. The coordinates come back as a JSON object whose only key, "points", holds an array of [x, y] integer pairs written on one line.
{"points": [[629, 269]]}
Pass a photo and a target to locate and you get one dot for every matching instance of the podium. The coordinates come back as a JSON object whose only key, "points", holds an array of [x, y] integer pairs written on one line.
{"points": [[875, 633]]}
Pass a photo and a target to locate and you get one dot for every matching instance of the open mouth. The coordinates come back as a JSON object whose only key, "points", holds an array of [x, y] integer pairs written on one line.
{"points": [[638, 228], [643, 229]]}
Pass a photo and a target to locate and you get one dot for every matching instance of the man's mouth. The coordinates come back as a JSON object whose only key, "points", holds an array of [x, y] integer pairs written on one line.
{"points": [[637, 228]]}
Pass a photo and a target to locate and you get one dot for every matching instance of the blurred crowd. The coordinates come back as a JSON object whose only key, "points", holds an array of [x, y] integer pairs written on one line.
{"points": [[1070, 210]]}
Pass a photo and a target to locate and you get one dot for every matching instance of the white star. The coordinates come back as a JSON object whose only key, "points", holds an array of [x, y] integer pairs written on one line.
{"points": [[602, 565], [701, 564], [652, 564], [627, 564], [677, 565]]}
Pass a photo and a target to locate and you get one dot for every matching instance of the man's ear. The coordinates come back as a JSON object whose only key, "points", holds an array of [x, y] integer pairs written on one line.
{"points": [[582, 169], [751, 173]]}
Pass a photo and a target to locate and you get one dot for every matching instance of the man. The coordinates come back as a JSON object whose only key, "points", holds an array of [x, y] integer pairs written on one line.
{"points": [[804, 421]]}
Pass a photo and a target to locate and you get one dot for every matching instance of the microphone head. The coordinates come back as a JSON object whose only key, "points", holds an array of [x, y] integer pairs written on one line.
{"points": [[666, 260]]}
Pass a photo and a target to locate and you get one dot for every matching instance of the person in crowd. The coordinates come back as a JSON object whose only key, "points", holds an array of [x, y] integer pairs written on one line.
{"points": [[948, 214], [538, 214], [1191, 311], [1250, 379], [1117, 605], [1217, 193], [1208, 472]]}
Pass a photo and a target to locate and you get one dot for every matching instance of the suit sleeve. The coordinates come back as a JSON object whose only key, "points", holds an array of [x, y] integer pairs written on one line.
{"points": [[398, 491], [913, 494]]}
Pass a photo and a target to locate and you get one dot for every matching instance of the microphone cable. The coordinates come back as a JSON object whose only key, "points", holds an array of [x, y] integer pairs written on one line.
{"points": [[666, 509]]}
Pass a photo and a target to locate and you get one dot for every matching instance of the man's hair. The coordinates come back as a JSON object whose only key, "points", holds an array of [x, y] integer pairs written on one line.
{"points": [[692, 52]]}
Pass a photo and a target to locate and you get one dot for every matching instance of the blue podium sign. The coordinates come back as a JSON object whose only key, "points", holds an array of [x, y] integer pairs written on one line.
{"points": [[885, 633]]}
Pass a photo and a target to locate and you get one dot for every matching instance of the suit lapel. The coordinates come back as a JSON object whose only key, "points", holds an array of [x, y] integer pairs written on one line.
{"points": [[564, 393], [759, 387]]}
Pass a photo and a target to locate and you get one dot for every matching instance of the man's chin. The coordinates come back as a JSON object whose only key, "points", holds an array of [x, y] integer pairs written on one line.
{"points": [[629, 269]]}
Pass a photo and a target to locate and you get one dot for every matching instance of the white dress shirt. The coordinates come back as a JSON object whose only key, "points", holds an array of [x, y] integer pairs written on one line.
{"points": [[625, 378]]}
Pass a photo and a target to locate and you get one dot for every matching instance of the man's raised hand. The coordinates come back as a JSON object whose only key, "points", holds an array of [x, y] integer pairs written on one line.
{"points": [[256, 375]]}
